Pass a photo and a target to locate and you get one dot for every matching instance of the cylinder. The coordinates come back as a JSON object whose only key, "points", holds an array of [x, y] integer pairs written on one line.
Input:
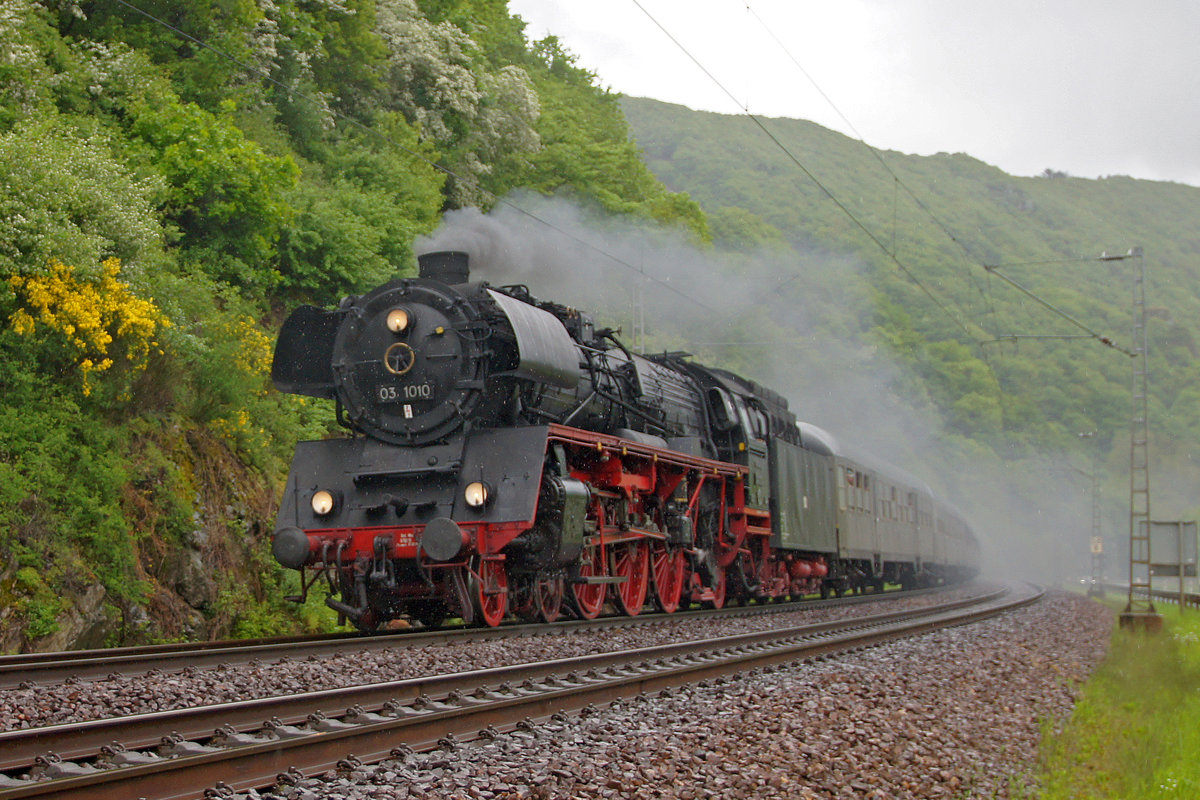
{"points": [[442, 539]]}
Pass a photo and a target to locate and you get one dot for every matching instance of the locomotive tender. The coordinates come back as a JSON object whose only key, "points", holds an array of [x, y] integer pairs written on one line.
{"points": [[507, 456]]}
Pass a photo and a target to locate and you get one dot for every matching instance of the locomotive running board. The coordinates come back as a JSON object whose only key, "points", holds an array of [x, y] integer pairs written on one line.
{"points": [[602, 442]]}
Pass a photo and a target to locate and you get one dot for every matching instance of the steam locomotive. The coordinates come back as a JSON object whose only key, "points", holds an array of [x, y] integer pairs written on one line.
{"points": [[507, 456]]}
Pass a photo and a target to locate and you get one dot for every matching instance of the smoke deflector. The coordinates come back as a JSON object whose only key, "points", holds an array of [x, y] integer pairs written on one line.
{"points": [[548, 355]]}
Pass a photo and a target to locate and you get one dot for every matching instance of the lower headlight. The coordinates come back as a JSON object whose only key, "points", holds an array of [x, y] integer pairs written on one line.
{"points": [[323, 502], [476, 494]]}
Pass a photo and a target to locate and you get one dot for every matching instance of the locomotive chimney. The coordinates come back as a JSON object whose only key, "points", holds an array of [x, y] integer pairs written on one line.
{"points": [[448, 266]]}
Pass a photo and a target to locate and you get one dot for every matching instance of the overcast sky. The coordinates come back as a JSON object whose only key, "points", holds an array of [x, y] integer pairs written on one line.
{"points": [[1089, 87]]}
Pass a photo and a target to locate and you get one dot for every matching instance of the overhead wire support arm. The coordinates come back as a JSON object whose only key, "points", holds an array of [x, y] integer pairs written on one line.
{"points": [[1105, 340], [1013, 337]]}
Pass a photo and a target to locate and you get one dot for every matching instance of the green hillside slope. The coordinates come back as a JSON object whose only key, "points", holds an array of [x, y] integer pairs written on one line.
{"points": [[889, 326], [939, 310], [176, 175]]}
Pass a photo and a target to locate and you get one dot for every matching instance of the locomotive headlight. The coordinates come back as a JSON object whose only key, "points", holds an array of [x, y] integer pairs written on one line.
{"points": [[476, 494], [398, 320], [323, 502]]}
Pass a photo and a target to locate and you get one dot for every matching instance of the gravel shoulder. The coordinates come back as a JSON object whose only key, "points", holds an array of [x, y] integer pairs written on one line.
{"points": [[956, 713]]}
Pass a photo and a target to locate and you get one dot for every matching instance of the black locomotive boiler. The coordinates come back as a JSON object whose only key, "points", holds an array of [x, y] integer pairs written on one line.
{"points": [[507, 456]]}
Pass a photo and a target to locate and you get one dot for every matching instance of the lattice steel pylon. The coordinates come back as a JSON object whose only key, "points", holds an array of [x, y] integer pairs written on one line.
{"points": [[1140, 605]]}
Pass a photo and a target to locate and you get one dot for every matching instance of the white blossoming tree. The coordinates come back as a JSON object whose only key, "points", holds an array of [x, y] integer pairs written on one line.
{"points": [[476, 115]]}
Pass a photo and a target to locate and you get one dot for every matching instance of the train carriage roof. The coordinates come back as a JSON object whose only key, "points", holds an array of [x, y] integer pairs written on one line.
{"points": [[822, 441]]}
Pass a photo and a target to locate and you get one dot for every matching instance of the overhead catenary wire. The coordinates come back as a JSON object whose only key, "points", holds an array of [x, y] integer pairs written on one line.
{"points": [[1103, 339], [897, 180], [990, 269], [415, 154], [816, 181]]}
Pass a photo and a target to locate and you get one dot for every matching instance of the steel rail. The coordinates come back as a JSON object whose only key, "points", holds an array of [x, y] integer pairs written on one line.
{"points": [[56, 667], [604, 676]]}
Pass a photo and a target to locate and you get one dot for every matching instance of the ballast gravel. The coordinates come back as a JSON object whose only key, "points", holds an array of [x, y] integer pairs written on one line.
{"points": [[956, 713], [119, 695]]}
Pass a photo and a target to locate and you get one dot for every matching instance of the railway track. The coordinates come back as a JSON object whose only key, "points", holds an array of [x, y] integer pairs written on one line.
{"points": [[176, 754], [45, 668]]}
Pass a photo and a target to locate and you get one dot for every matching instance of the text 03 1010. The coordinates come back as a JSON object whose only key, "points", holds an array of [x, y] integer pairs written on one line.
{"points": [[396, 394]]}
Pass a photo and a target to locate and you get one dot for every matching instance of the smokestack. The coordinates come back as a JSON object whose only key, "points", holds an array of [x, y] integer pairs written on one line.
{"points": [[448, 266]]}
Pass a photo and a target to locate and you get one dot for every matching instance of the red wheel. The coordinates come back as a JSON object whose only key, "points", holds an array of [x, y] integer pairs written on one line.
{"points": [[548, 597], [490, 592], [631, 561], [589, 597], [667, 569], [718, 590]]}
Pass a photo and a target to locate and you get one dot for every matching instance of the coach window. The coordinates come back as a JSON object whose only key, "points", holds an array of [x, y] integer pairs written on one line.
{"points": [[841, 488]]}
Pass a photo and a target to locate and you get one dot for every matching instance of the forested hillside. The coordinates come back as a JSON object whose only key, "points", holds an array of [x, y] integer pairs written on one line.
{"points": [[176, 175], [890, 264], [944, 218]]}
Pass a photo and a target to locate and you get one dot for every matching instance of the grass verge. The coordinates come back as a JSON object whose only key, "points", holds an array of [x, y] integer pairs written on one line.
{"points": [[1134, 732]]}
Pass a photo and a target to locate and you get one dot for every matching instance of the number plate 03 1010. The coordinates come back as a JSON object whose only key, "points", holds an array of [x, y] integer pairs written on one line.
{"points": [[404, 392]]}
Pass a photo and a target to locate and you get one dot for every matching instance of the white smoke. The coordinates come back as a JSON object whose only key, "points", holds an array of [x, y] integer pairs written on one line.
{"points": [[793, 322]]}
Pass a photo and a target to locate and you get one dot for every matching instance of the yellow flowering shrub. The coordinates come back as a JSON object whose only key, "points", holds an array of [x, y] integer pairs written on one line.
{"points": [[100, 319], [247, 351], [255, 349]]}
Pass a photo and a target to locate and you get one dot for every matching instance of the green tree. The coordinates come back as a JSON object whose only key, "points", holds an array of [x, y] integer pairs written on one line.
{"points": [[28, 48], [65, 195], [210, 49], [358, 211], [476, 114], [226, 195]]}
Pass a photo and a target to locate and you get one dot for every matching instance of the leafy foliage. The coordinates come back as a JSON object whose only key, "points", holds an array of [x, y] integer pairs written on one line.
{"points": [[226, 194], [65, 195], [355, 220], [230, 159], [585, 143]]}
